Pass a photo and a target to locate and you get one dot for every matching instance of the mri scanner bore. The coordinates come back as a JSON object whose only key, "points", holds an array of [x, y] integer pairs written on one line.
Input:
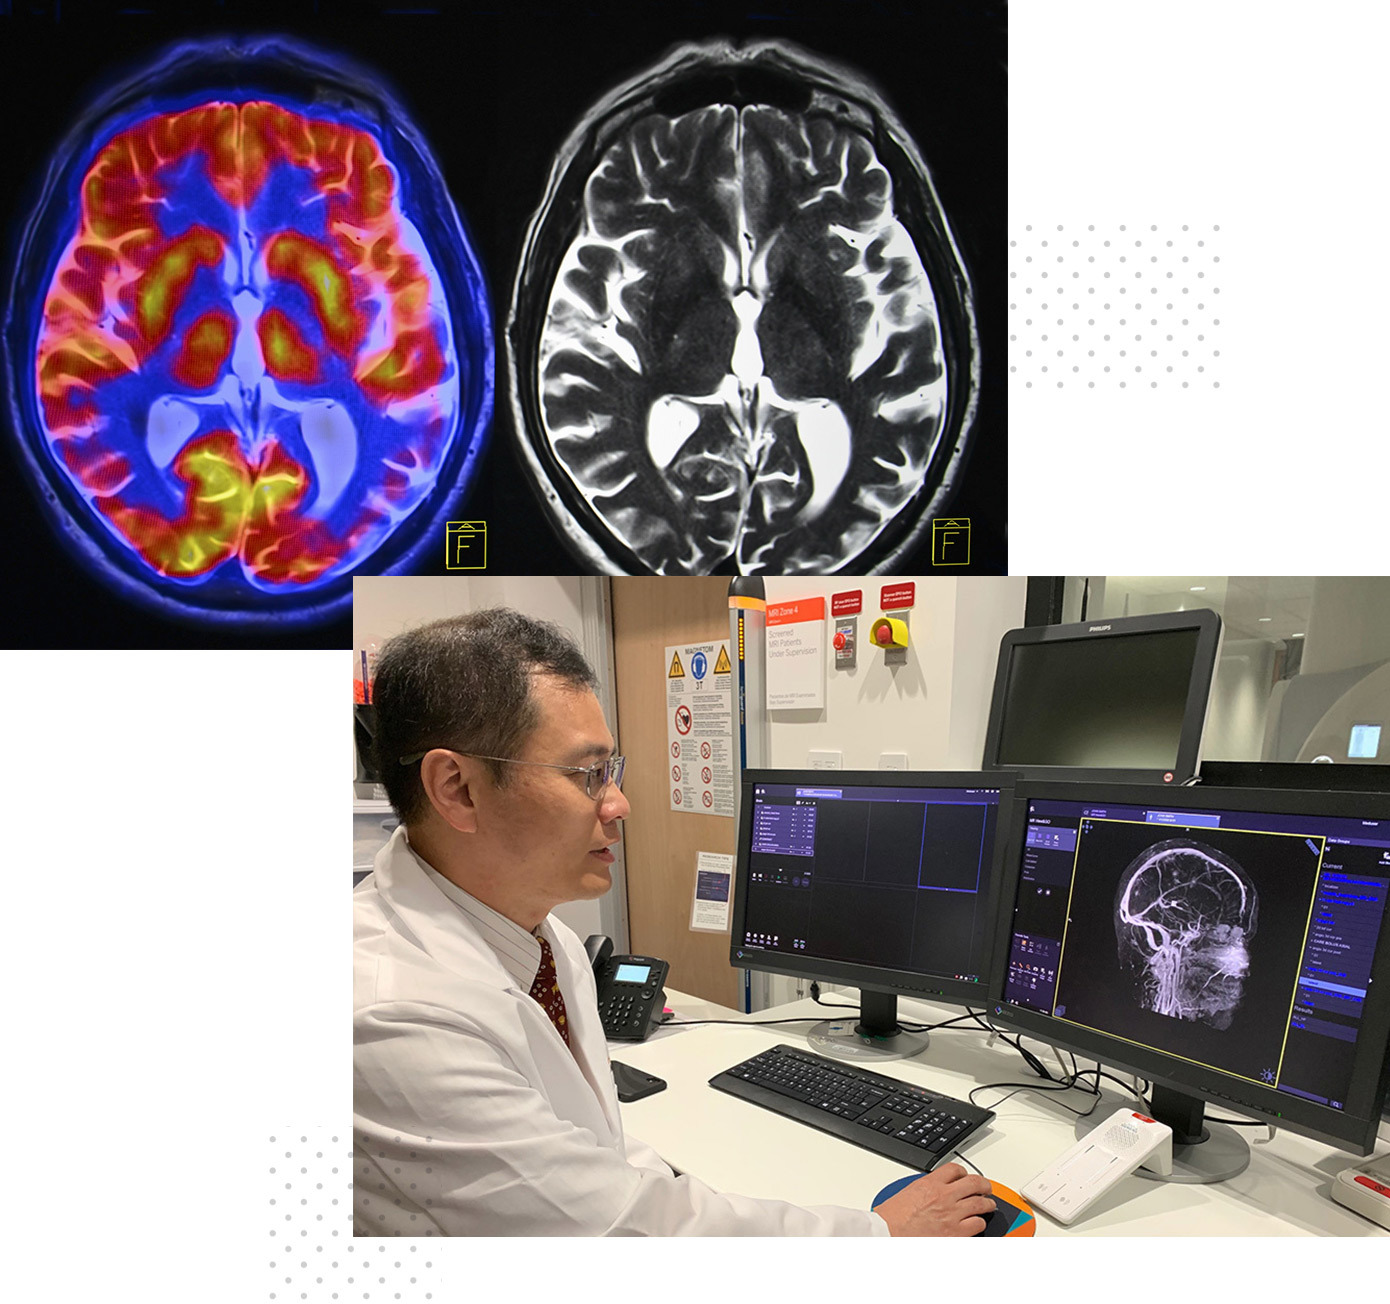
{"points": [[742, 338], [249, 344]]}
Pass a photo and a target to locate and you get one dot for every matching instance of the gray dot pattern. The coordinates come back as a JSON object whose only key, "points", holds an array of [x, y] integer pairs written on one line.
{"points": [[311, 1253], [1135, 306]]}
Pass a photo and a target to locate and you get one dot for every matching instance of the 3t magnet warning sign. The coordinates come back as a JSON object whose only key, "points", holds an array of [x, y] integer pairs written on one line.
{"points": [[699, 711]]}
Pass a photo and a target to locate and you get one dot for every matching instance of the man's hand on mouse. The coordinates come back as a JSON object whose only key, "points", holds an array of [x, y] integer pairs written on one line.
{"points": [[946, 1202]]}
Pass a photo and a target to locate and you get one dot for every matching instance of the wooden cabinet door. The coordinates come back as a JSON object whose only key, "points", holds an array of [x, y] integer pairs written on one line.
{"points": [[661, 844]]}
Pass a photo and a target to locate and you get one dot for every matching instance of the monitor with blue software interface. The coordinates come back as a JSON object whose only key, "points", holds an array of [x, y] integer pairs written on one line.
{"points": [[880, 879], [1229, 945]]}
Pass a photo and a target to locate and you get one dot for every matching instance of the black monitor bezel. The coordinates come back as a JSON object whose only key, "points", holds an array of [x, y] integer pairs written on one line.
{"points": [[1354, 1127], [867, 977], [1208, 626]]}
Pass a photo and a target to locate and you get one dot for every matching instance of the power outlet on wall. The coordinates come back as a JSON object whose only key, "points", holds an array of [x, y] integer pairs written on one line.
{"points": [[892, 760], [826, 760]]}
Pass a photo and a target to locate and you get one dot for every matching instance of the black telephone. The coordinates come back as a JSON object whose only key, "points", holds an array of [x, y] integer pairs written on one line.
{"points": [[631, 990]]}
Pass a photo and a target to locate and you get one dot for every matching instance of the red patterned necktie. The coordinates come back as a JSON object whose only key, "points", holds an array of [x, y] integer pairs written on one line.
{"points": [[546, 990]]}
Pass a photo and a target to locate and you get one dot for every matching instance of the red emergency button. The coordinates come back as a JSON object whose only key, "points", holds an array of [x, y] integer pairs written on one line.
{"points": [[1378, 1187], [839, 640], [884, 634]]}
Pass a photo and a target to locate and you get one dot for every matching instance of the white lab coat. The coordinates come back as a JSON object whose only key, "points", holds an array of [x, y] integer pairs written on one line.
{"points": [[471, 1117]]}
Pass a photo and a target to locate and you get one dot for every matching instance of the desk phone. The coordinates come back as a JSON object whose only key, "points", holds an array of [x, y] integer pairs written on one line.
{"points": [[631, 990]]}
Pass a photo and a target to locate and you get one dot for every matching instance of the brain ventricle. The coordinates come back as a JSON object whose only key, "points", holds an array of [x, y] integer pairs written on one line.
{"points": [[245, 358], [741, 361]]}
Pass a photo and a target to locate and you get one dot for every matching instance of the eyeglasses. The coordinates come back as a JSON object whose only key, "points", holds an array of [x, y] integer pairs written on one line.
{"points": [[597, 776]]}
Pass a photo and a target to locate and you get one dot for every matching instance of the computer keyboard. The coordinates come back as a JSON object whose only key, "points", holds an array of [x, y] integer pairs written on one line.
{"points": [[908, 1124]]}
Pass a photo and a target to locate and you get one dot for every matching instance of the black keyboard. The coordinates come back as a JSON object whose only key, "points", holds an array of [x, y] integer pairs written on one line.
{"points": [[906, 1123]]}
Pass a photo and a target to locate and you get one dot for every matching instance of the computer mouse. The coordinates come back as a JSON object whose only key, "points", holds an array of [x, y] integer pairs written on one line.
{"points": [[1011, 1215]]}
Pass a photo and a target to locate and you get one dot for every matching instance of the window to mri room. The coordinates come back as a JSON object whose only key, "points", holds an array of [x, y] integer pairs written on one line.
{"points": [[1304, 673]]}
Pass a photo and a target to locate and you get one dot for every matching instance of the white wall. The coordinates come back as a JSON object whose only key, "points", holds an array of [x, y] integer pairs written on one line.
{"points": [[1239, 700], [1348, 624], [986, 609], [385, 605], [935, 707]]}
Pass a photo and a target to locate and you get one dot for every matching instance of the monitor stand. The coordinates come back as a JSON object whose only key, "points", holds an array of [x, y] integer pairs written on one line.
{"points": [[1202, 1151], [875, 1037]]}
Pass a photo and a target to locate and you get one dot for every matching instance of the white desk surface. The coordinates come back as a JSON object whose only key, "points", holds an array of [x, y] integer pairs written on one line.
{"points": [[735, 1146]]}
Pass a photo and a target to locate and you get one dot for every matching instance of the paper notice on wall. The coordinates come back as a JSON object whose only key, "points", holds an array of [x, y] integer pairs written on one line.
{"points": [[714, 876], [796, 653], [700, 727]]}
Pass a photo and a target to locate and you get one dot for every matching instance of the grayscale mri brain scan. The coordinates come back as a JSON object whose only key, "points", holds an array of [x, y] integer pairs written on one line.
{"points": [[742, 338]]}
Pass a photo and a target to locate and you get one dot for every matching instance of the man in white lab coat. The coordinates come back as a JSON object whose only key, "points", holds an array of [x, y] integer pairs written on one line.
{"points": [[483, 1099]]}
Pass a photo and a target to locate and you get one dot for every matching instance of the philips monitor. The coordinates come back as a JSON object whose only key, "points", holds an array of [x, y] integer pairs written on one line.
{"points": [[883, 880], [1123, 699], [1229, 945]]}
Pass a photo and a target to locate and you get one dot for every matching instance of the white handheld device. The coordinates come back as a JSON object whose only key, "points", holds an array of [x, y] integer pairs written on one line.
{"points": [[1366, 1189], [1078, 1178]]}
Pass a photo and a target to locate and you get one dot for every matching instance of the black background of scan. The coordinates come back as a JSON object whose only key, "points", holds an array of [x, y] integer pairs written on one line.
{"points": [[1099, 994], [495, 89]]}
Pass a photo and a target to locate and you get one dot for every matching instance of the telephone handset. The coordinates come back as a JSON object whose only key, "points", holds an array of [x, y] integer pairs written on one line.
{"points": [[631, 991]]}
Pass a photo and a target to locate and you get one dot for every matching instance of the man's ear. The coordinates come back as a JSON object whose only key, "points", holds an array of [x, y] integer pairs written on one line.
{"points": [[449, 781]]}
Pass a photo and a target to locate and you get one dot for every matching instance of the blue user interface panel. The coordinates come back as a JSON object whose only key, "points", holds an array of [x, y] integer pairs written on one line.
{"points": [[1239, 940], [892, 877]]}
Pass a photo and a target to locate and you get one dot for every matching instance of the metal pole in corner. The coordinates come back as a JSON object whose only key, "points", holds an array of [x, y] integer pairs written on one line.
{"points": [[752, 744]]}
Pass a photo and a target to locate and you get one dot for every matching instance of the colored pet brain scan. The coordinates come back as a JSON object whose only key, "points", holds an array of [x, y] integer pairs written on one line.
{"points": [[250, 344], [742, 338]]}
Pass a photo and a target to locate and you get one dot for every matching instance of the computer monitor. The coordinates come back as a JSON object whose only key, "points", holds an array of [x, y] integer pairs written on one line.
{"points": [[1122, 699], [884, 880], [1229, 945]]}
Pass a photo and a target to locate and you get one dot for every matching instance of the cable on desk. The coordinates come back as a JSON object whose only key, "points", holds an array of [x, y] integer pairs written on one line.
{"points": [[742, 1023], [1119, 1082], [1016, 1042], [1071, 1083], [1041, 1069], [956, 1154], [976, 1015], [1038, 1086], [945, 1023]]}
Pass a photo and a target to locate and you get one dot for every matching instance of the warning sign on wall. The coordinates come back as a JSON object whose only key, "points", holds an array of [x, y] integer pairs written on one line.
{"points": [[699, 726]]}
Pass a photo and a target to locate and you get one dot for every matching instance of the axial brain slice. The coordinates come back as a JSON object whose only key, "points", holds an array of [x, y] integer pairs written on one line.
{"points": [[245, 360], [741, 361], [1184, 914]]}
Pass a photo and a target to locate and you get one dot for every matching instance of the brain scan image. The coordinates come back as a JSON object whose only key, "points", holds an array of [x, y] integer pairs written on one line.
{"points": [[1184, 915], [742, 338], [249, 347]]}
